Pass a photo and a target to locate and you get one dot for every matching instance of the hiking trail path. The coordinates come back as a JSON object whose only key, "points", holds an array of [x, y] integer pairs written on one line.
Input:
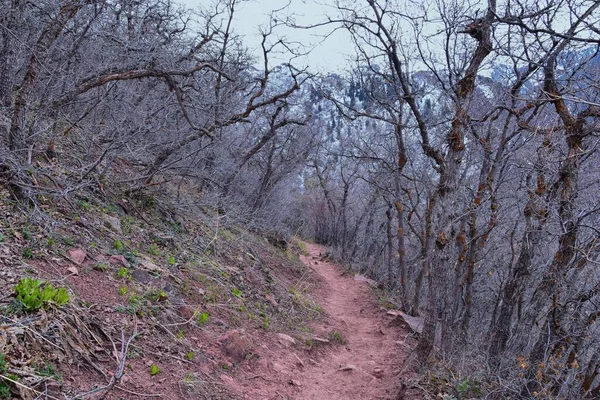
{"points": [[369, 364]]}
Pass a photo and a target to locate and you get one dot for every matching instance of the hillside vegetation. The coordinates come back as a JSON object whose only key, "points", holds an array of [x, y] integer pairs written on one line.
{"points": [[146, 154], [141, 291]]}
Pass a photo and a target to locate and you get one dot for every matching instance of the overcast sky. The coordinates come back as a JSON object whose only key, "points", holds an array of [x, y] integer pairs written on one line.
{"points": [[330, 54]]}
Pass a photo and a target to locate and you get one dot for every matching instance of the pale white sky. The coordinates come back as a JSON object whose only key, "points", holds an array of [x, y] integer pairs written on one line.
{"points": [[330, 54]]}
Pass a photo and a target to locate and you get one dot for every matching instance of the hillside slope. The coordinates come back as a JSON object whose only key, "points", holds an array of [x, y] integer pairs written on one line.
{"points": [[168, 301]]}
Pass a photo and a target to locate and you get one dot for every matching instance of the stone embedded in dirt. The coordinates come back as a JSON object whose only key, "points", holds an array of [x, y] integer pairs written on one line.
{"points": [[118, 260], [398, 322], [113, 223], [414, 323], [349, 367], [286, 339], [294, 382], [235, 345], [142, 276], [149, 265], [362, 278], [271, 299], [277, 367], [73, 270], [77, 255], [378, 373], [320, 340]]}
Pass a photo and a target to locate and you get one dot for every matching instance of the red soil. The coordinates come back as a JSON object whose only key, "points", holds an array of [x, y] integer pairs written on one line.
{"points": [[367, 366]]}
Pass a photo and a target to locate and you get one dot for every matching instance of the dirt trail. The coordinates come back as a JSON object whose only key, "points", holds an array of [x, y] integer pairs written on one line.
{"points": [[375, 349], [366, 367]]}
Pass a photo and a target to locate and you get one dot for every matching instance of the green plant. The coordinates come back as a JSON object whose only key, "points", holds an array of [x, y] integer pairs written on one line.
{"points": [[153, 249], [120, 309], [123, 273], [171, 260], [3, 363], [118, 246], [266, 322], [202, 318], [135, 301], [33, 294], [154, 369], [4, 391], [148, 201], [85, 205], [336, 337], [123, 290], [302, 247], [101, 267], [26, 234], [158, 295], [51, 242], [237, 292], [27, 252], [180, 334], [467, 388], [67, 241], [46, 370], [190, 355], [2, 237]]}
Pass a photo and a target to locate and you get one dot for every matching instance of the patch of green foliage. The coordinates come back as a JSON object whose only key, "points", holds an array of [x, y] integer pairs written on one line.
{"points": [[154, 369], [7, 380], [123, 273], [266, 322], [101, 267], [202, 318], [336, 337], [302, 247], [27, 252], [26, 234], [153, 249], [119, 246], [34, 294], [46, 370], [85, 205], [67, 241]]}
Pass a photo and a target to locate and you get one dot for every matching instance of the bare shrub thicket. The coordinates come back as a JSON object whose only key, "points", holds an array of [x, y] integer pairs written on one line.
{"points": [[461, 166], [128, 95], [457, 160]]}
